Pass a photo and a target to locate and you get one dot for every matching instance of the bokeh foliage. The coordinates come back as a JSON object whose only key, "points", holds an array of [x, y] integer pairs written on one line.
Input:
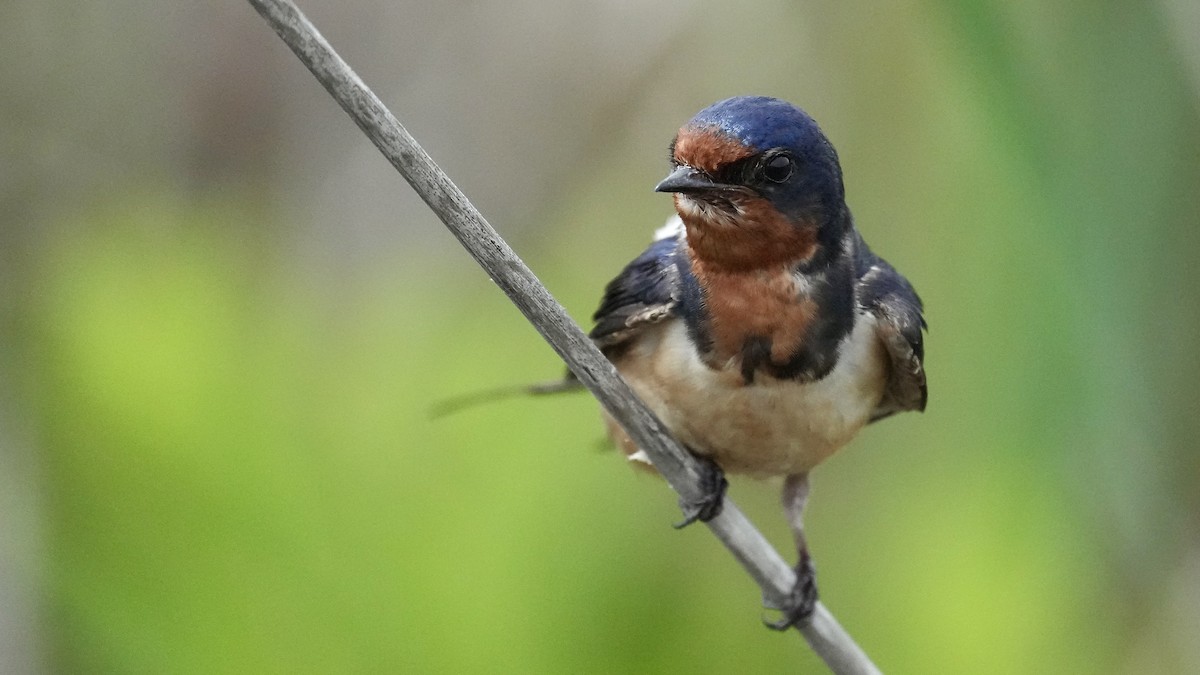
{"points": [[238, 471]]}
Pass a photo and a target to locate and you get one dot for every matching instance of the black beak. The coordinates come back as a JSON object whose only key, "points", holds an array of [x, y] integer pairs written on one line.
{"points": [[686, 179]]}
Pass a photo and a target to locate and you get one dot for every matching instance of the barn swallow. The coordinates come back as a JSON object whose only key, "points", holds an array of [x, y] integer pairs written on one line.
{"points": [[758, 325]]}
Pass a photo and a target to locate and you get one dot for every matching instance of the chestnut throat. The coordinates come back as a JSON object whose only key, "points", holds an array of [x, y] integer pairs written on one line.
{"points": [[759, 312]]}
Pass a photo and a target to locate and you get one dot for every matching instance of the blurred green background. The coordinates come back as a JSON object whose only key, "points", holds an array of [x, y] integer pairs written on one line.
{"points": [[224, 320]]}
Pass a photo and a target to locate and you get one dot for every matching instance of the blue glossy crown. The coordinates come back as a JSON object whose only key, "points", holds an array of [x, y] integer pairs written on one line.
{"points": [[761, 122]]}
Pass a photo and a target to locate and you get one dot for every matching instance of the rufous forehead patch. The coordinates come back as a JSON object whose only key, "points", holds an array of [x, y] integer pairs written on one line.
{"points": [[708, 149]]}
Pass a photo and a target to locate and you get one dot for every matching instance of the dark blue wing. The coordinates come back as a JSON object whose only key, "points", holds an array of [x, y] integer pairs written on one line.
{"points": [[882, 291], [644, 293]]}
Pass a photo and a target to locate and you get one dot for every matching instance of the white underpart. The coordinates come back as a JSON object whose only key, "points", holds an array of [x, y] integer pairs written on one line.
{"points": [[641, 457], [769, 427], [672, 228]]}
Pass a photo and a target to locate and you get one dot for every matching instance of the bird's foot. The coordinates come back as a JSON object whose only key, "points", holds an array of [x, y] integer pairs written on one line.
{"points": [[712, 499], [798, 608]]}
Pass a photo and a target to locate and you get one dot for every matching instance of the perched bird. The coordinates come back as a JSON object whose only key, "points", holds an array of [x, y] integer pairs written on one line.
{"points": [[758, 326]]}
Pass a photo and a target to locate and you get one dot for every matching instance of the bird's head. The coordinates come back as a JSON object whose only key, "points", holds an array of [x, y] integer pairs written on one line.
{"points": [[756, 184]]}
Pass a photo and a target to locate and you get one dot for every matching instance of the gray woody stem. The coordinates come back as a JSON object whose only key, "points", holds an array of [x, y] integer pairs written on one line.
{"points": [[680, 470]]}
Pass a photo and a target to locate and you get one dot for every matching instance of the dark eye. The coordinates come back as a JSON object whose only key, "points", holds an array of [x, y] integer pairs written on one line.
{"points": [[778, 168]]}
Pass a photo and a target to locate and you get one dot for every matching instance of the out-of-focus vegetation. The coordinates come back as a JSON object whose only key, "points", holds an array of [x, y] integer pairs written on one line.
{"points": [[225, 321]]}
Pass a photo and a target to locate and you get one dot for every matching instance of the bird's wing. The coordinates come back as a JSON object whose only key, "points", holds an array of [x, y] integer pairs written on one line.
{"points": [[644, 293], [882, 291]]}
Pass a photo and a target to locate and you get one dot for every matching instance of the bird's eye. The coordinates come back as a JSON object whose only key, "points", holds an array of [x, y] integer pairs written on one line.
{"points": [[778, 169]]}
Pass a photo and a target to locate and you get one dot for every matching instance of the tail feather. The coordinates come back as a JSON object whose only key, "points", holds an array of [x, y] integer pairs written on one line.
{"points": [[476, 398]]}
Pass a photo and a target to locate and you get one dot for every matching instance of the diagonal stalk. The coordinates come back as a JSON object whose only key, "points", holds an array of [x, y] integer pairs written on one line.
{"points": [[823, 633]]}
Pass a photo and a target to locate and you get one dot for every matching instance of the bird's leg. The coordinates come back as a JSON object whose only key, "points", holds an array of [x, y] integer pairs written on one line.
{"points": [[708, 505], [803, 599]]}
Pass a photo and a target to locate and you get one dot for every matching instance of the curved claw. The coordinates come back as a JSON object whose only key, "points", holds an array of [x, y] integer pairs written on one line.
{"points": [[801, 602], [711, 501]]}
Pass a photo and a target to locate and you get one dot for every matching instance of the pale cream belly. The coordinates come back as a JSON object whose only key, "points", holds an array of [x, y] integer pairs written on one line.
{"points": [[770, 427]]}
